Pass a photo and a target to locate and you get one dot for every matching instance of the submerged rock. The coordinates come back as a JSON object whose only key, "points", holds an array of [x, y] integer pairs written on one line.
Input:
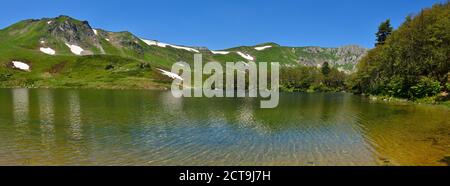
{"points": [[446, 160]]}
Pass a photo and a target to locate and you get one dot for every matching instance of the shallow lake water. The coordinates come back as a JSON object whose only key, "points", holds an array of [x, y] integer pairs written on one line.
{"points": [[140, 127]]}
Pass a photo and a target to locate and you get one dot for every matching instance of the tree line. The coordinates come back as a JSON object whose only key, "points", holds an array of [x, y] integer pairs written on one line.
{"points": [[312, 79], [411, 62]]}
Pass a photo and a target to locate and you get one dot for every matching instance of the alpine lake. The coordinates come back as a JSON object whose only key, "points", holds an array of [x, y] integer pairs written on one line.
{"points": [[143, 127]]}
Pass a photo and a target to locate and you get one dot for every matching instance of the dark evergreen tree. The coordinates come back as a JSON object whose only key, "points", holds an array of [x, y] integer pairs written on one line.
{"points": [[325, 69], [384, 30]]}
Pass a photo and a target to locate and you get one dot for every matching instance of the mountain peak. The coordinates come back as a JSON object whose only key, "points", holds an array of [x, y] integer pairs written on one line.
{"points": [[63, 18], [273, 44], [71, 30]]}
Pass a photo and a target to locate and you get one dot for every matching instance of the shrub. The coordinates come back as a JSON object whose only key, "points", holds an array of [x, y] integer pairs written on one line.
{"points": [[425, 87], [109, 67], [144, 65], [396, 87]]}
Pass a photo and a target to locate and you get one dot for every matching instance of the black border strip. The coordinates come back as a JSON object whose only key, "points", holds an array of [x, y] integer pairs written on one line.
{"points": [[278, 175]]}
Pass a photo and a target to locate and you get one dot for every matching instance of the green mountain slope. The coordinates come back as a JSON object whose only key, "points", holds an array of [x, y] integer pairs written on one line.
{"points": [[65, 52]]}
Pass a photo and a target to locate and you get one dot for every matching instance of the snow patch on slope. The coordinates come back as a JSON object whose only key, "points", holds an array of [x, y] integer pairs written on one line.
{"points": [[154, 43], [95, 31], [157, 43], [75, 49], [48, 50], [170, 74], [21, 65], [246, 56], [262, 47], [185, 48], [220, 52]]}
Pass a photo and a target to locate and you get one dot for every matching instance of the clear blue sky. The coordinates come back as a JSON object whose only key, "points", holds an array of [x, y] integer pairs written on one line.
{"points": [[219, 24]]}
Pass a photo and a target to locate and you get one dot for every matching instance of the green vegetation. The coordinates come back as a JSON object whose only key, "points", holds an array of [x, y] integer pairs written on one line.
{"points": [[312, 79], [384, 31], [122, 60], [412, 62]]}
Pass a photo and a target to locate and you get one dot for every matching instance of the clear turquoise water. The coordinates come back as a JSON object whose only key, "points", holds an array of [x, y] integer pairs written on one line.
{"points": [[139, 127]]}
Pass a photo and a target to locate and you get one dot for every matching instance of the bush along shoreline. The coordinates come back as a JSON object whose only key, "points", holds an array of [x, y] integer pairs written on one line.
{"points": [[432, 100]]}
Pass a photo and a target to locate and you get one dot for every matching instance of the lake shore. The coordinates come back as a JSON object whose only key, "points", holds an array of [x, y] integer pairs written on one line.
{"points": [[428, 100]]}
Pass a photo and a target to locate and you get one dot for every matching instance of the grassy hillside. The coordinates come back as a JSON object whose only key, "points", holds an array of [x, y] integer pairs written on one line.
{"points": [[122, 60]]}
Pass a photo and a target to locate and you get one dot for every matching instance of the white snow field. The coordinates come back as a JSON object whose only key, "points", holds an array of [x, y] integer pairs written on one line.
{"points": [[220, 52], [75, 49], [246, 56], [160, 44], [47, 50], [21, 65], [170, 74], [262, 47]]}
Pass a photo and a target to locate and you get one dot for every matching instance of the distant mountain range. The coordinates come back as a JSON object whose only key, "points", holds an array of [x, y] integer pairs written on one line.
{"points": [[66, 52]]}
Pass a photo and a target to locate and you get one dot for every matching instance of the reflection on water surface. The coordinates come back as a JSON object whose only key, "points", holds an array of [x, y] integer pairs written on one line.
{"points": [[118, 127]]}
